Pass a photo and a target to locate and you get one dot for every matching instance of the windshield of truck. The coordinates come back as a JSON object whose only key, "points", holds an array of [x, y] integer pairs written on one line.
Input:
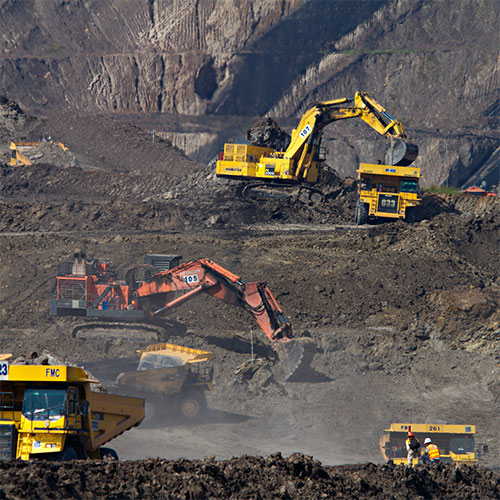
{"points": [[462, 445], [40, 404], [409, 186]]}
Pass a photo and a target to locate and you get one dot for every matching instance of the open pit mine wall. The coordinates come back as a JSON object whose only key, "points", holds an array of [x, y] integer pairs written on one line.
{"points": [[432, 63], [181, 56]]}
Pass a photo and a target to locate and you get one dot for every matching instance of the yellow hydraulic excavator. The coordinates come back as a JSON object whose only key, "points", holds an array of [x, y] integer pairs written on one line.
{"points": [[18, 158], [299, 164]]}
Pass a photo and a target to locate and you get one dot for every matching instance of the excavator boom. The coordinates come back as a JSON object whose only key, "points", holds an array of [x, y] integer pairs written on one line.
{"points": [[205, 276], [300, 161], [306, 137]]}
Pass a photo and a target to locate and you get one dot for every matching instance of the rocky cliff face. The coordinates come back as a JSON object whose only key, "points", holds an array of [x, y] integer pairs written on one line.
{"points": [[128, 55], [192, 57], [418, 56], [433, 63]]}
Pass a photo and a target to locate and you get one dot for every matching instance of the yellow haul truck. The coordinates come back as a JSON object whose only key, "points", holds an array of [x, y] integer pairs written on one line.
{"points": [[455, 442], [50, 412], [173, 379], [387, 191]]}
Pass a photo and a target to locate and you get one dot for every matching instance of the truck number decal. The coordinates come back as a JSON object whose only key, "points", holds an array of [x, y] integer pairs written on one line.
{"points": [[388, 203], [190, 278], [37, 444], [4, 370], [305, 131]]}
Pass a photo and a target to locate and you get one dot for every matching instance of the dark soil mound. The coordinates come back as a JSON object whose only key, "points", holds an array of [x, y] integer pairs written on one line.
{"points": [[296, 477]]}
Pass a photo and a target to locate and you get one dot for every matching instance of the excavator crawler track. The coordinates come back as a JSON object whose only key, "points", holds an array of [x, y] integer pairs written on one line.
{"points": [[138, 332], [263, 191]]}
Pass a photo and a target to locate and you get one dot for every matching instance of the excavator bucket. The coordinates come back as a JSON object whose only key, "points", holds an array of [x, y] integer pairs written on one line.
{"points": [[291, 354], [400, 153]]}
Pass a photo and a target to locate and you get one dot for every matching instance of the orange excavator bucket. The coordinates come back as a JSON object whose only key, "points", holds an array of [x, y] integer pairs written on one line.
{"points": [[290, 354]]}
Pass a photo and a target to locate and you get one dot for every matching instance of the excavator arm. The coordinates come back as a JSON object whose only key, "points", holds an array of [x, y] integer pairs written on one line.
{"points": [[306, 137], [167, 290]]}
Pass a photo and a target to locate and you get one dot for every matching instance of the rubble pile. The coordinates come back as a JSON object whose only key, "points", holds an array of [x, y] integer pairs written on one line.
{"points": [[298, 477], [45, 358]]}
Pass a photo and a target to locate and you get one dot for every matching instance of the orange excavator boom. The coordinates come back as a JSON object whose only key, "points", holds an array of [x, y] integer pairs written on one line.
{"points": [[161, 292]]}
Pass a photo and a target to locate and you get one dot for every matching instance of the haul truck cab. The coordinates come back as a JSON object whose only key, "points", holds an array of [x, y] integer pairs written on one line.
{"points": [[387, 191], [50, 412], [455, 442]]}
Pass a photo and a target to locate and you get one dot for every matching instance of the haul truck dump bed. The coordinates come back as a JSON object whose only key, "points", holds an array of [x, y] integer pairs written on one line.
{"points": [[50, 412], [173, 379]]}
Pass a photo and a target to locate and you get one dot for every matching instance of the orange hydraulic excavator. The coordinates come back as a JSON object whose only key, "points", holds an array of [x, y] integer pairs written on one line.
{"points": [[88, 288]]}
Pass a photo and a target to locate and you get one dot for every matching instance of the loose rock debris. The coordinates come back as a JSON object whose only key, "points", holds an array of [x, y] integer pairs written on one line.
{"points": [[297, 477]]}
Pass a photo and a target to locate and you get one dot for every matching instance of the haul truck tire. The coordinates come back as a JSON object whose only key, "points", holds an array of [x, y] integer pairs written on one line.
{"points": [[193, 404], [361, 213], [411, 215], [154, 407], [149, 411], [69, 453], [108, 454]]}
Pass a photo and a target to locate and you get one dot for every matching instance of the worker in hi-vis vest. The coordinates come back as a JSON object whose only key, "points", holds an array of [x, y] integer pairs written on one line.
{"points": [[431, 452]]}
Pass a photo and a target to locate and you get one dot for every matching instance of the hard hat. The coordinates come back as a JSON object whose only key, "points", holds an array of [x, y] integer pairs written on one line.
{"points": [[427, 440], [410, 434]]}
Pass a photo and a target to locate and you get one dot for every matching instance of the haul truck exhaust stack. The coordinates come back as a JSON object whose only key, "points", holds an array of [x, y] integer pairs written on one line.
{"points": [[50, 412]]}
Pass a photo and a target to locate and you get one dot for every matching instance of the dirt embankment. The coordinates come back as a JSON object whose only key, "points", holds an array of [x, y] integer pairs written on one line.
{"points": [[298, 477]]}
